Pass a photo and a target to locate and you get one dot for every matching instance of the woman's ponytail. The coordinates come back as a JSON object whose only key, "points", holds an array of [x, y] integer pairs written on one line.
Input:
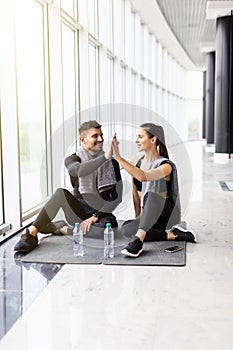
{"points": [[162, 149]]}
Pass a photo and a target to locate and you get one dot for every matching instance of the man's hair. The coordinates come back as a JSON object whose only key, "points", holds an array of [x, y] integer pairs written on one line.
{"points": [[88, 125]]}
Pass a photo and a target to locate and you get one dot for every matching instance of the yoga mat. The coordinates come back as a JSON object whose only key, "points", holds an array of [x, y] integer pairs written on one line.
{"points": [[153, 254], [59, 250]]}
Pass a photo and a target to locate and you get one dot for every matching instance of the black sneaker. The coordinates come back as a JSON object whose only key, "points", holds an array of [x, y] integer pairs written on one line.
{"points": [[134, 248], [184, 235], [26, 243]]}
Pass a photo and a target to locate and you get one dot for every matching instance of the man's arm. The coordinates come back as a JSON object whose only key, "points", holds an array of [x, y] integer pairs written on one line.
{"points": [[76, 168]]}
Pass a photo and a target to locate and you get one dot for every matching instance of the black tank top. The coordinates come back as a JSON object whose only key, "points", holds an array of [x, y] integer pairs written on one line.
{"points": [[165, 186]]}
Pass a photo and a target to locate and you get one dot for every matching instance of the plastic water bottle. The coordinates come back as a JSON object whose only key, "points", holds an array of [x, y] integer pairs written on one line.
{"points": [[108, 242], [78, 240]]}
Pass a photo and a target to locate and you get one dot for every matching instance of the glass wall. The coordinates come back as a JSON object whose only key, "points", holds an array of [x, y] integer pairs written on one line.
{"points": [[93, 75], [1, 187], [69, 43], [31, 96], [61, 61]]}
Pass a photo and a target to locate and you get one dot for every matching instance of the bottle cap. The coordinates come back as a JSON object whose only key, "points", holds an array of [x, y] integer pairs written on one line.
{"points": [[76, 224], [108, 225]]}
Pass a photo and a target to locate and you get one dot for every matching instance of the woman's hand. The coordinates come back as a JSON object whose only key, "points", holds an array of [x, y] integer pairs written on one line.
{"points": [[115, 147]]}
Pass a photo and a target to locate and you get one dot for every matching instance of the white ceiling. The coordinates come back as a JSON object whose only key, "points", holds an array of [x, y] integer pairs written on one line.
{"points": [[182, 26]]}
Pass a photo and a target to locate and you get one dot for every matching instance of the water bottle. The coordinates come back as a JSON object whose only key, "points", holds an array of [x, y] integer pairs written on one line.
{"points": [[108, 242], [78, 240]]}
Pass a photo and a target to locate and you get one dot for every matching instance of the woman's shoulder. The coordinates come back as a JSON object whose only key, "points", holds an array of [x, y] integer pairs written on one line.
{"points": [[161, 160]]}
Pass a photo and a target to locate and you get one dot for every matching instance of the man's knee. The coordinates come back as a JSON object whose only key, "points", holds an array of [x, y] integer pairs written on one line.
{"points": [[108, 220], [60, 192]]}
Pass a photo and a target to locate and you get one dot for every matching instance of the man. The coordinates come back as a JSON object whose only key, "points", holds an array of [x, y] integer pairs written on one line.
{"points": [[97, 191]]}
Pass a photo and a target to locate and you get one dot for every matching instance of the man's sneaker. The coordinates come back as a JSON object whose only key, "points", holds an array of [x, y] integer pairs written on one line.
{"points": [[134, 248], [184, 235], [55, 227], [26, 243]]}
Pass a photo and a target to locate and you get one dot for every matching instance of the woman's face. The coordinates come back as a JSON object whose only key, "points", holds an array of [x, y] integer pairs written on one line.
{"points": [[144, 142]]}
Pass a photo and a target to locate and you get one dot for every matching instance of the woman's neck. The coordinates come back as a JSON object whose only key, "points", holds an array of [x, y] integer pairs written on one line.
{"points": [[150, 155]]}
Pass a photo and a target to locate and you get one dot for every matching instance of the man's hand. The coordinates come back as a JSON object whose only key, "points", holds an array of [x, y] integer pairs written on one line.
{"points": [[86, 224], [109, 153]]}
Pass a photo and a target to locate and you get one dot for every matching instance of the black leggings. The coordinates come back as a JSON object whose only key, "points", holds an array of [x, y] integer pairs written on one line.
{"points": [[75, 210], [158, 215]]}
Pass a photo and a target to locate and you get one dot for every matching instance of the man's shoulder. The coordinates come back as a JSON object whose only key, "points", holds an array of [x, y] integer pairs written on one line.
{"points": [[72, 158]]}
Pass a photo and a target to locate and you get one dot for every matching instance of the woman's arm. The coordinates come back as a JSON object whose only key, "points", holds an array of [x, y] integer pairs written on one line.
{"points": [[161, 172], [136, 201], [134, 171]]}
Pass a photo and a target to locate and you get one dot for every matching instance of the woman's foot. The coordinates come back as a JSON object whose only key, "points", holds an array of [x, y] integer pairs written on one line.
{"points": [[134, 248], [183, 235]]}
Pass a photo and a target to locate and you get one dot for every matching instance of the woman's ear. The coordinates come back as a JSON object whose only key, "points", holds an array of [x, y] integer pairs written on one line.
{"points": [[153, 139]]}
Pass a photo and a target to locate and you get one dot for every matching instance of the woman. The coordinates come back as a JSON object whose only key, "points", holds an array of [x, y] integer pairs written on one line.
{"points": [[155, 192]]}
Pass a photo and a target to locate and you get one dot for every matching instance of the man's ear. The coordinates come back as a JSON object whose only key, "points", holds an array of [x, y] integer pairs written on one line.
{"points": [[82, 139]]}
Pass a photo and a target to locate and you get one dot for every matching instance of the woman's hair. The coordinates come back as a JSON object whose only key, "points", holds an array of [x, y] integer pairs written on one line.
{"points": [[157, 131]]}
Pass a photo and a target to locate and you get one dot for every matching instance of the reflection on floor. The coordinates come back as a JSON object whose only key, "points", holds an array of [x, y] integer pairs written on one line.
{"points": [[20, 283], [143, 308]]}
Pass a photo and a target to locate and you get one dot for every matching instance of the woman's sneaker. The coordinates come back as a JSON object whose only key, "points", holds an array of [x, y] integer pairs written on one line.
{"points": [[184, 235], [134, 248], [26, 243]]}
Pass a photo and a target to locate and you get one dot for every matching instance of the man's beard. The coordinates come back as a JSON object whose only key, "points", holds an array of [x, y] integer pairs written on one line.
{"points": [[98, 148]]}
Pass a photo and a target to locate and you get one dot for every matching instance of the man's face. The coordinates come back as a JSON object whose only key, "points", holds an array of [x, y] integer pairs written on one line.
{"points": [[92, 140]]}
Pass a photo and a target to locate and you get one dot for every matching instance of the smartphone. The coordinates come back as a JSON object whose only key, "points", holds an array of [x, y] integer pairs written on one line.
{"points": [[173, 249]]}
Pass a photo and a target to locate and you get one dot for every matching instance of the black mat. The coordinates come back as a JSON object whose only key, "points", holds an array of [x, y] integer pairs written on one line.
{"points": [[59, 250]]}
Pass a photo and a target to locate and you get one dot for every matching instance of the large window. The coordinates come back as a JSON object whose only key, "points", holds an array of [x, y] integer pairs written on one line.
{"points": [[69, 85], [68, 6], [93, 17], [31, 93], [64, 57], [1, 199], [93, 76]]}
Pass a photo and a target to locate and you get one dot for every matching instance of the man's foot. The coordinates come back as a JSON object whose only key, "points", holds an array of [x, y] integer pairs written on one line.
{"points": [[134, 248], [26, 243], [57, 228], [183, 235]]}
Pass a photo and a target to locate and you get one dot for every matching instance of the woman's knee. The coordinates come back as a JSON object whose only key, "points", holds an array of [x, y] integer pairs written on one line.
{"points": [[130, 227]]}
